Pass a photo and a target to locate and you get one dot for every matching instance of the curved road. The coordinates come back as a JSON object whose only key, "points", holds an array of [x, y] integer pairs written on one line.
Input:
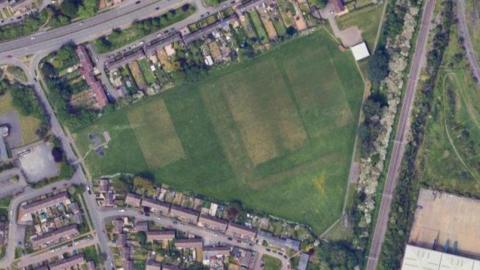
{"points": [[400, 137], [463, 30]]}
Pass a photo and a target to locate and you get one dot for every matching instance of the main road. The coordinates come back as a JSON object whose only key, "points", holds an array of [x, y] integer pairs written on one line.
{"points": [[89, 29], [400, 137]]}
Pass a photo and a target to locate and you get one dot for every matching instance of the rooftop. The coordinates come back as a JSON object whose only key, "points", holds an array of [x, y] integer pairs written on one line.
{"points": [[417, 258]]}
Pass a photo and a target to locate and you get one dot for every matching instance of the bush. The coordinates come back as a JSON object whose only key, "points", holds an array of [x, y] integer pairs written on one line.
{"points": [[378, 66]]}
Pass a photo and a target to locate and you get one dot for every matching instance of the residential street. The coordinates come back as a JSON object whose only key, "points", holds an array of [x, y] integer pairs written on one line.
{"points": [[208, 236], [399, 143]]}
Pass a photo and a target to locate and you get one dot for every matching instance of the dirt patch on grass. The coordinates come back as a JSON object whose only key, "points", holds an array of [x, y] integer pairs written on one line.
{"points": [[163, 146], [265, 114]]}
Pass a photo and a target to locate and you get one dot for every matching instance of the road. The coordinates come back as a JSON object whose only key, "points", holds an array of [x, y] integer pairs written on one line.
{"points": [[30, 259], [79, 177], [400, 137], [89, 29], [209, 237], [463, 31]]}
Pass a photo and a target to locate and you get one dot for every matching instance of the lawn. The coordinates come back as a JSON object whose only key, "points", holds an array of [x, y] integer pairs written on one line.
{"points": [[271, 263], [449, 154], [147, 72], [28, 124], [275, 133], [258, 25], [367, 19]]}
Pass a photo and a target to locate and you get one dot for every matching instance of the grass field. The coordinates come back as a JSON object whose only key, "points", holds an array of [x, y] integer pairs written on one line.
{"points": [[276, 132], [367, 19], [451, 148], [28, 124]]}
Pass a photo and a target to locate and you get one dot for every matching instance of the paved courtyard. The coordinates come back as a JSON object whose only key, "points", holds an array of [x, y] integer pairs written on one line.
{"points": [[37, 162], [444, 220]]}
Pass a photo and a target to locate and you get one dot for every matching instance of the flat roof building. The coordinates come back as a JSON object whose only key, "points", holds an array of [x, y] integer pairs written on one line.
{"points": [[417, 258]]}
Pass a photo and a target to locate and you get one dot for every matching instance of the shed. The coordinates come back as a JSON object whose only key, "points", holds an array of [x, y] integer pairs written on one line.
{"points": [[360, 51]]}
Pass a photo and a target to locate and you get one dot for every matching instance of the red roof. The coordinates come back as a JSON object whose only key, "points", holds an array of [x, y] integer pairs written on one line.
{"points": [[87, 71], [339, 6]]}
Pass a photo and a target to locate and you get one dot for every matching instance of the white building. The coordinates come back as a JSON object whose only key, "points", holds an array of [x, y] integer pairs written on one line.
{"points": [[417, 258], [360, 51]]}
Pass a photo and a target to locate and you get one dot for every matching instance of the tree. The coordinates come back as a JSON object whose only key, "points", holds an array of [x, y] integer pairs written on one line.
{"points": [[69, 8], [378, 66]]}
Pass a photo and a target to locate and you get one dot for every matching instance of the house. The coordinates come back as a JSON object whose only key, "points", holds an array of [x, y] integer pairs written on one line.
{"points": [[87, 72], [141, 226], [212, 223], [242, 232], [104, 186], [170, 267], [38, 205], [117, 226], [152, 265], [4, 132], [133, 200], [339, 7], [184, 214], [68, 263], [55, 236], [279, 242], [189, 243], [360, 51], [166, 235], [155, 206], [121, 240], [127, 264], [215, 252]]}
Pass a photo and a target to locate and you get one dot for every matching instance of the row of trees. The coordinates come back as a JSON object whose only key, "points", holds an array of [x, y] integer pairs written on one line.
{"points": [[60, 91], [139, 29], [51, 16]]}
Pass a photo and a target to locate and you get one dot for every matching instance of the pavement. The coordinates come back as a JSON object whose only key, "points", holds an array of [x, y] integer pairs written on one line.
{"points": [[400, 137], [463, 31]]}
